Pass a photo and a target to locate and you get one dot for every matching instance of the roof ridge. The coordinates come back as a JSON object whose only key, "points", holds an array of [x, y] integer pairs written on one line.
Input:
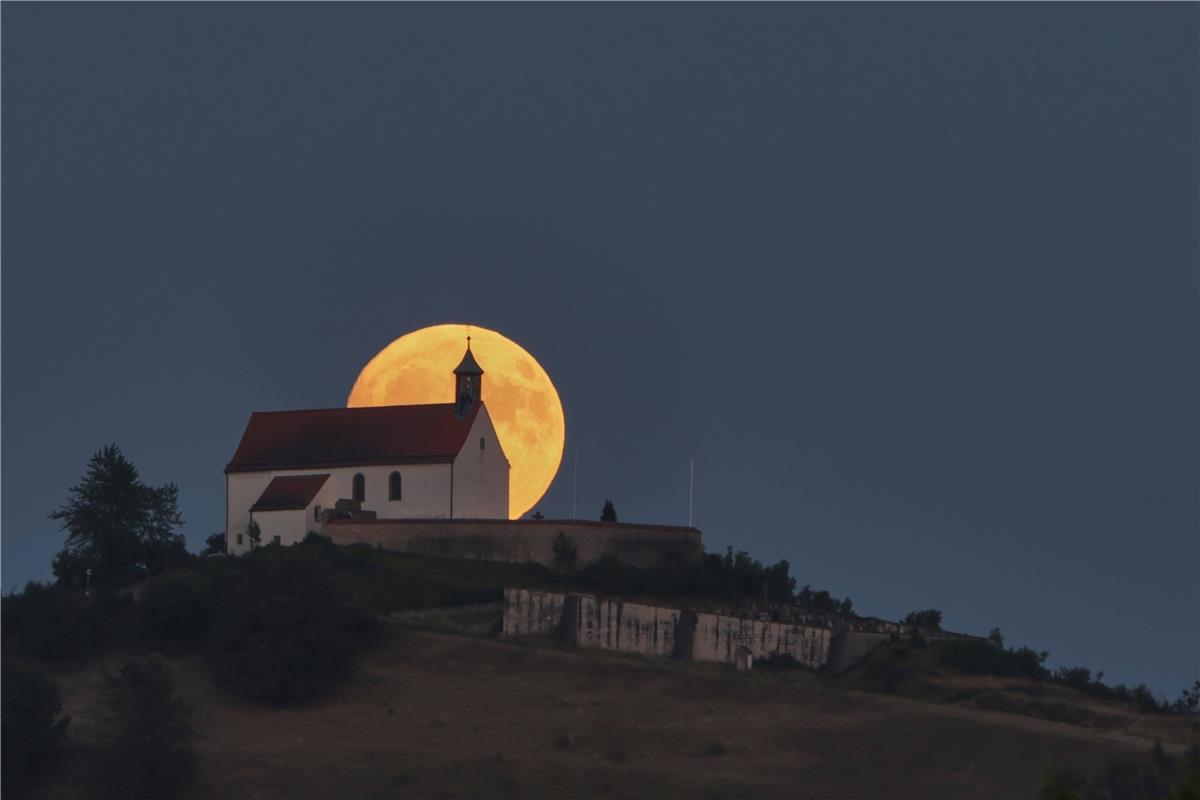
{"points": [[350, 408]]}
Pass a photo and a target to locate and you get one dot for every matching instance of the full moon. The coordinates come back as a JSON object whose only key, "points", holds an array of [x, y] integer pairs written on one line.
{"points": [[524, 406]]}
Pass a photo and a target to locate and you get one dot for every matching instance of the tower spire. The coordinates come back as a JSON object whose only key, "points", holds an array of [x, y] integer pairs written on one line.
{"points": [[468, 382]]}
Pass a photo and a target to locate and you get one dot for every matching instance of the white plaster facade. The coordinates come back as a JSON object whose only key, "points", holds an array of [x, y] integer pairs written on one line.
{"points": [[473, 486]]}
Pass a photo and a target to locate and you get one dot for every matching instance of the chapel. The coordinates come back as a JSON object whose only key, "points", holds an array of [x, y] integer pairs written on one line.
{"points": [[294, 471]]}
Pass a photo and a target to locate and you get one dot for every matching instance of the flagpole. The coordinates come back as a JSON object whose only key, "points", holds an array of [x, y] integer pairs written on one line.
{"points": [[691, 487]]}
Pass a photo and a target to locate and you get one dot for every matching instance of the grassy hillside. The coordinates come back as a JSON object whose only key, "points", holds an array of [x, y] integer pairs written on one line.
{"points": [[299, 690], [433, 714]]}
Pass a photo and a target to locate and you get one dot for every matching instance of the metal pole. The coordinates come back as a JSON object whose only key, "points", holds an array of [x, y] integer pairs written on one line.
{"points": [[575, 483], [691, 487]]}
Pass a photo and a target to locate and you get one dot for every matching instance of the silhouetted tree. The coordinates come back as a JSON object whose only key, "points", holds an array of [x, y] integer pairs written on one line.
{"points": [[254, 534], [214, 544], [566, 553], [930, 618], [608, 514], [116, 525]]}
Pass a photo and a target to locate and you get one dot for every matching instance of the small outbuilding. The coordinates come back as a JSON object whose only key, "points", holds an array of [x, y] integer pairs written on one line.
{"points": [[743, 658]]}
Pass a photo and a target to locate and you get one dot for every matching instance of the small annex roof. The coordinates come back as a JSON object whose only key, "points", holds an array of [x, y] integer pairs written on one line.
{"points": [[347, 437], [289, 492]]}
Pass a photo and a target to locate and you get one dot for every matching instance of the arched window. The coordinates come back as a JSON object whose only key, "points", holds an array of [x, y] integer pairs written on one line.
{"points": [[360, 487], [394, 487]]}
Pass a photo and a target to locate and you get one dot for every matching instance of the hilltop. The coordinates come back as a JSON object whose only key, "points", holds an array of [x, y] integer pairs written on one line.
{"points": [[439, 714], [322, 671]]}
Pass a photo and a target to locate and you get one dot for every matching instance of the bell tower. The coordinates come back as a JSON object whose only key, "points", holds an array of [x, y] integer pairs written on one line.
{"points": [[468, 383]]}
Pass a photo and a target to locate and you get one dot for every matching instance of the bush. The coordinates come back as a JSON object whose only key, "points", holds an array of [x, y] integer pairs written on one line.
{"points": [[886, 669], [929, 619], [31, 729], [291, 632], [981, 657], [174, 610], [566, 552], [1165, 777], [51, 622], [147, 754], [778, 662], [214, 545]]}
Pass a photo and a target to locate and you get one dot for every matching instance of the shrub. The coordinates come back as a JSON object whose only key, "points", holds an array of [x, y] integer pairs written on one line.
{"points": [[31, 729], [566, 552], [214, 545], [174, 610], [148, 752], [51, 622], [885, 669], [930, 619], [982, 657], [291, 632], [778, 662], [1165, 777]]}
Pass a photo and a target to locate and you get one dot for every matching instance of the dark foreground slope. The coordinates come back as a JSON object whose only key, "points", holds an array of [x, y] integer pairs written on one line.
{"points": [[441, 715]]}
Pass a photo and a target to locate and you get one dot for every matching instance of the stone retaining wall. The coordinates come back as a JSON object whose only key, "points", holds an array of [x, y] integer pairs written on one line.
{"points": [[522, 540], [654, 630]]}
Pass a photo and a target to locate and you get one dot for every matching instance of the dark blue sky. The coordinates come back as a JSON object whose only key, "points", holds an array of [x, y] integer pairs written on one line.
{"points": [[916, 285]]}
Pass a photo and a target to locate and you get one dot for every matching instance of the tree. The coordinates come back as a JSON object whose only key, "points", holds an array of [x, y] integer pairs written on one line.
{"points": [[566, 552], [254, 534], [996, 637], [778, 584], [608, 514], [118, 526], [930, 618], [214, 545]]}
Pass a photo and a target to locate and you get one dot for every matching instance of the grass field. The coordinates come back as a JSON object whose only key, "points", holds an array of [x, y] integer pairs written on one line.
{"points": [[436, 714]]}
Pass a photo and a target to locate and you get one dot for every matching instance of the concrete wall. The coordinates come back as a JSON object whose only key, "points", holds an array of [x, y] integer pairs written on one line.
{"points": [[617, 625], [851, 647], [717, 638], [658, 631], [531, 613], [480, 475], [521, 540]]}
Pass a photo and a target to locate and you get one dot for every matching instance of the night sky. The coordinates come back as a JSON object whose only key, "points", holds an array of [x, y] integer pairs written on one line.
{"points": [[915, 285]]}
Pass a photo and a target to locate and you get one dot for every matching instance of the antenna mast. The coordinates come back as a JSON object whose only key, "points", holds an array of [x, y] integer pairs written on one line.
{"points": [[575, 483]]}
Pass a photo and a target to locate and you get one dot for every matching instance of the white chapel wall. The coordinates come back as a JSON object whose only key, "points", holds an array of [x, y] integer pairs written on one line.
{"points": [[481, 474], [288, 525], [425, 495]]}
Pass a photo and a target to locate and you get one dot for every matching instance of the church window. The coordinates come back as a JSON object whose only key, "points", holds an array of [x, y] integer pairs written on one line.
{"points": [[359, 487], [481, 442], [239, 540], [394, 487], [316, 513]]}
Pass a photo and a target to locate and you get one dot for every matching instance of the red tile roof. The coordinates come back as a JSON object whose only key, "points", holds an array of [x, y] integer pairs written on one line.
{"points": [[345, 437], [291, 491]]}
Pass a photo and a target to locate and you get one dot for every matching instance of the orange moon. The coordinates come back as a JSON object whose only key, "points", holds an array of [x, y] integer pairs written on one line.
{"points": [[523, 403]]}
